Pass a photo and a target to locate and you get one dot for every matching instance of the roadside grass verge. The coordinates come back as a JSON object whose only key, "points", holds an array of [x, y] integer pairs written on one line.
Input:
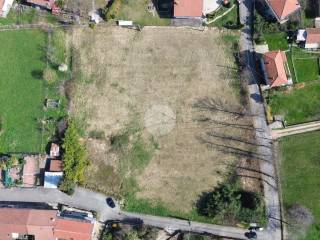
{"points": [[298, 105], [300, 175], [276, 41], [137, 12]]}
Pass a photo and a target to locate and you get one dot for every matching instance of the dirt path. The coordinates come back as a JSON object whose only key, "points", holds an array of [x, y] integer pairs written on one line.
{"points": [[296, 129]]}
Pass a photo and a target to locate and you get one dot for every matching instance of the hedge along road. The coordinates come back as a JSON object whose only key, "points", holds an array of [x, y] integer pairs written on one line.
{"points": [[91, 201]]}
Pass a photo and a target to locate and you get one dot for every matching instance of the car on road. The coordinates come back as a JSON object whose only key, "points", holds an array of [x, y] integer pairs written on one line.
{"points": [[251, 235], [110, 202]]}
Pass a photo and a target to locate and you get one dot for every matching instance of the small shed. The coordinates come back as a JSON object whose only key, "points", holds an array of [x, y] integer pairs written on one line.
{"points": [[53, 177], [302, 35], [54, 150]]}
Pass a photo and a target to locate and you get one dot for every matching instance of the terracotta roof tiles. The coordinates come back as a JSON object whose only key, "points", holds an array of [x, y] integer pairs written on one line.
{"points": [[283, 8], [188, 8]]}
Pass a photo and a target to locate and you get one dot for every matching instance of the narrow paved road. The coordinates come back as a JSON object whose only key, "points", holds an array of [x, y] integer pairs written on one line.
{"points": [[88, 200], [295, 129], [262, 133]]}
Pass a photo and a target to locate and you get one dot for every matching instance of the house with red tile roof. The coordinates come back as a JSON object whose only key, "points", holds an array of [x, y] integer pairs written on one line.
{"points": [[312, 38], [282, 9], [47, 4], [188, 8], [54, 175], [16, 223], [276, 70], [5, 6]]}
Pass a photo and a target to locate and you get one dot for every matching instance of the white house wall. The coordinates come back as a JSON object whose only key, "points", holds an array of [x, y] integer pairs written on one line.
{"points": [[312, 45]]}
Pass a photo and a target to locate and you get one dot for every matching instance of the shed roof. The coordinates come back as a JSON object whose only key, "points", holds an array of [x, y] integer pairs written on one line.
{"points": [[188, 8], [55, 165]]}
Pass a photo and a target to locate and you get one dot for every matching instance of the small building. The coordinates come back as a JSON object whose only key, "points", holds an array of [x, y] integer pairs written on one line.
{"points": [[282, 9], [54, 175], [276, 70], [5, 6], [95, 16], [312, 38], [188, 8], [54, 150], [301, 36]]}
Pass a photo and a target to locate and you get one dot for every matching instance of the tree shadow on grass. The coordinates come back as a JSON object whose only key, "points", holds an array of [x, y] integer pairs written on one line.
{"points": [[37, 74]]}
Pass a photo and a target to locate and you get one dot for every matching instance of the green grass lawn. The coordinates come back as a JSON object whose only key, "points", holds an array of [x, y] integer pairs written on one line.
{"points": [[300, 105], [229, 20], [138, 13], [21, 89], [306, 69], [300, 175], [276, 41]]}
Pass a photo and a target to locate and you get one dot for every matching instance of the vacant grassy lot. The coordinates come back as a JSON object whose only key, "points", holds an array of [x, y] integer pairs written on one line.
{"points": [[276, 41], [137, 11], [21, 90], [162, 113], [300, 175], [298, 105]]}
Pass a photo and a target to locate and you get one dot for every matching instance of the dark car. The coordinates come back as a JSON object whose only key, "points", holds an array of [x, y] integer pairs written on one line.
{"points": [[110, 202], [251, 235]]}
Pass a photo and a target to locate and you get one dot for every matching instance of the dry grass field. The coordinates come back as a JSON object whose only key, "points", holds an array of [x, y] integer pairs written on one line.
{"points": [[162, 111]]}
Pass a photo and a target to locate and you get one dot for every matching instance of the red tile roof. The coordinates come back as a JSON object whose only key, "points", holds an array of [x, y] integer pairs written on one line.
{"points": [[43, 224], [188, 8], [27, 221], [283, 8], [55, 166], [72, 230], [313, 35], [274, 63]]}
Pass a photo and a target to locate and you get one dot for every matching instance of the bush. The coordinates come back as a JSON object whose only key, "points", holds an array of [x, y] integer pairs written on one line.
{"points": [[113, 10], [229, 204], [74, 158]]}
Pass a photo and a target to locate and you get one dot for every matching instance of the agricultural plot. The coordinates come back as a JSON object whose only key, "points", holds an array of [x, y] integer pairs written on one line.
{"points": [[26, 124], [21, 90], [162, 113]]}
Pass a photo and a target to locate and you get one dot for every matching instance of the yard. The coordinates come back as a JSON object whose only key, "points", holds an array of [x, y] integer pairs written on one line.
{"points": [[25, 126], [298, 105], [276, 41], [300, 179], [137, 12], [162, 115]]}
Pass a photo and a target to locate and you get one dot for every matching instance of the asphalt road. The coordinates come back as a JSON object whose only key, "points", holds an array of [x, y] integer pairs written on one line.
{"points": [[91, 201], [262, 131]]}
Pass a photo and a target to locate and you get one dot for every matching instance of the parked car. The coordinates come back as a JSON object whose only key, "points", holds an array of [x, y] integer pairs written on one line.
{"points": [[110, 202]]}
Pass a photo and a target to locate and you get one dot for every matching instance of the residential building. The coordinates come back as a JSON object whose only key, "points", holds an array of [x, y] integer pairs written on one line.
{"points": [[276, 70], [19, 223], [283, 9], [309, 38], [5, 6], [312, 38]]}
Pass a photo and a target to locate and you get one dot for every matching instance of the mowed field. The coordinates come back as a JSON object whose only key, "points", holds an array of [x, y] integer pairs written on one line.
{"points": [[161, 109], [21, 89]]}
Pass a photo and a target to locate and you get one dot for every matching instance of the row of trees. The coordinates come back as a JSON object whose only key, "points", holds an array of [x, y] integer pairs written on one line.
{"points": [[74, 158]]}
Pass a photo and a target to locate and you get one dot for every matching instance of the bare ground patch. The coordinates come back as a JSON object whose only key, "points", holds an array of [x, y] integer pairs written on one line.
{"points": [[177, 86]]}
